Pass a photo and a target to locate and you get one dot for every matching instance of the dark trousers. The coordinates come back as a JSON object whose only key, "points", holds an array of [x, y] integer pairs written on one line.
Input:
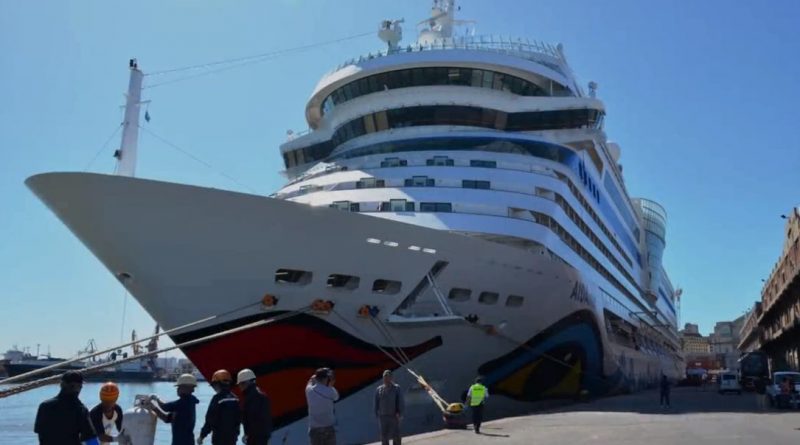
{"points": [[322, 436], [665, 398], [477, 417], [262, 440], [390, 429]]}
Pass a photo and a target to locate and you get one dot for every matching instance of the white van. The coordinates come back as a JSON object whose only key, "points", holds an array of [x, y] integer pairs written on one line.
{"points": [[729, 382]]}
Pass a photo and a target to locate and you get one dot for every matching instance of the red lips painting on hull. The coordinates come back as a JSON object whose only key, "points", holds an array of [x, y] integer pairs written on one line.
{"points": [[284, 354]]}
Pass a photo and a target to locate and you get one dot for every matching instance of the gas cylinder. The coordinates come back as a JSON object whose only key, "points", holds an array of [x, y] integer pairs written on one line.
{"points": [[138, 423]]}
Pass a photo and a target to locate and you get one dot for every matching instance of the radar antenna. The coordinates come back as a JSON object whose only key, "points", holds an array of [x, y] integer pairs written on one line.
{"points": [[392, 33], [441, 23]]}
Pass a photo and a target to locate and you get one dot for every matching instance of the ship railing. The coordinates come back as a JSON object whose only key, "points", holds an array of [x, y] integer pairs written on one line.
{"points": [[524, 48]]}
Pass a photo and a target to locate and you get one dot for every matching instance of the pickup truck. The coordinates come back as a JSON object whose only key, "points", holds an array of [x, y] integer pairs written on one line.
{"points": [[775, 394]]}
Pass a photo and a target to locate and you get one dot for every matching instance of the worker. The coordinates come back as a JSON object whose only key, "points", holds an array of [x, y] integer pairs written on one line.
{"points": [[257, 414], [665, 388], [64, 420], [320, 397], [476, 398], [106, 417], [389, 409], [223, 416], [180, 413]]}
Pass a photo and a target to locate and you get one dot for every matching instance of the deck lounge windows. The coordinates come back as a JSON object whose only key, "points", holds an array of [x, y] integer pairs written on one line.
{"points": [[435, 207], [397, 205], [292, 276], [457, 294], [440, 161], [339, 281], [369, 183], [388, 287], [514, 301], [347, 206], [474, 184], [420, 181], [482, 163], [393, 162], [488, 297]]}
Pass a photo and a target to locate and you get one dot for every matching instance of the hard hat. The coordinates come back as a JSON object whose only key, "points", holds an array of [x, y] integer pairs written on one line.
{"points": [[221, 376], [109, 392], [186, 379], [245, 375]]}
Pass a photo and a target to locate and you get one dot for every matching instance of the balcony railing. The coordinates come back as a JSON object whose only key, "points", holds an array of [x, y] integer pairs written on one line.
{"points": [[517, 47]]}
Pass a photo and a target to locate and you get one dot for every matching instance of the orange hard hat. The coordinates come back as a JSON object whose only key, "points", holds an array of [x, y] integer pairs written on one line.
{"points": [[221, 376], [109, 392]]}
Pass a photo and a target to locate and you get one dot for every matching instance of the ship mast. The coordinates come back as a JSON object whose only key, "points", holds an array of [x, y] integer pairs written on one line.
{"points": [[126, 155]]}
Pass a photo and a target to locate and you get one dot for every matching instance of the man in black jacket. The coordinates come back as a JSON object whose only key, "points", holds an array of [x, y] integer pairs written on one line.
{"points": [[256, 418], [64, 420], [223, 416]]}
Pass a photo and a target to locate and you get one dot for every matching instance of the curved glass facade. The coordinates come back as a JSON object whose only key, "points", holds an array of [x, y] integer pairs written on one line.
{"points": [[429, 76], [654, 222], [445, 115]]}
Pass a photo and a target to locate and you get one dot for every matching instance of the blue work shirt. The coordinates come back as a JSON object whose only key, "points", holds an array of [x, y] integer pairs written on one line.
{"points": [[182, 417]]}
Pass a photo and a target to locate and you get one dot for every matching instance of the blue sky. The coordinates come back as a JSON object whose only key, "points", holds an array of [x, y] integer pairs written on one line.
{"points": [[702, 97]]}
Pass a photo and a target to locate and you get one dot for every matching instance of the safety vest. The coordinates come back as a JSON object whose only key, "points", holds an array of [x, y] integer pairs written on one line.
{"points": [[477, 394]]}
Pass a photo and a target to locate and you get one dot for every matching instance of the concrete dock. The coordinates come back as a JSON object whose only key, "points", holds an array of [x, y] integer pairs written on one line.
{"points": [[697, 416]]}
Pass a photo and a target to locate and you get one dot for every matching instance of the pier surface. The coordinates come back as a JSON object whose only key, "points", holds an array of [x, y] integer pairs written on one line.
{"points": [[697, 416]]}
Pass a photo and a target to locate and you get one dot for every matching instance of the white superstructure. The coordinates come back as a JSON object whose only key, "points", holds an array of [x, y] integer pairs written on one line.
{"points": [[461, 187]]}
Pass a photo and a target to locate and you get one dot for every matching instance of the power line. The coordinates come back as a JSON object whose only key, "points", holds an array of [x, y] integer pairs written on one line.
{"points": [[246, 60], [195, 158]]}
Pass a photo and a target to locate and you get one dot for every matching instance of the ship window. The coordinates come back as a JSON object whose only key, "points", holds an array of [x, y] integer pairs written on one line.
{"points": [[514, 301], [381, 122], [340, 281], [388, 287], [436, 76], [481, 163], [474, 184], [420, 181], [369, 123], [477, 75], [498, 82], [368, 183], [373, 85], [457, 294], [341, 205], [488, 297], [488, 78], [398, 205], [394, 162], [435, 207], [440, 161], [292, 276]]}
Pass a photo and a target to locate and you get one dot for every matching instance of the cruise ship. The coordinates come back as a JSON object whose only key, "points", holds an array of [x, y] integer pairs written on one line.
{"points": [[455, 209]]}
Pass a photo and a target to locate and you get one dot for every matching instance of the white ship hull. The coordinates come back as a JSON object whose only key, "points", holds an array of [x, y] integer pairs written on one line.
{"points": [[194, 252]]}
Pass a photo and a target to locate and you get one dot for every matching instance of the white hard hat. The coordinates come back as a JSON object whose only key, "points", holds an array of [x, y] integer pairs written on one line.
{"points": [[245, 375], [186, 379]]}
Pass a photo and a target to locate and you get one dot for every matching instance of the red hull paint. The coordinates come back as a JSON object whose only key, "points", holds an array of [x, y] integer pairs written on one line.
{"points": [[285, 354]]}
